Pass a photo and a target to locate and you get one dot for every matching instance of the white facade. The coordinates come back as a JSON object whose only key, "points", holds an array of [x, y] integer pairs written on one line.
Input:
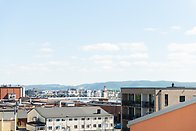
{"points": [[72, 123]]}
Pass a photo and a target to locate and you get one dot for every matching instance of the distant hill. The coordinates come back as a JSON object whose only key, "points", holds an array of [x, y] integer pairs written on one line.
{"points": [[116, 85]]}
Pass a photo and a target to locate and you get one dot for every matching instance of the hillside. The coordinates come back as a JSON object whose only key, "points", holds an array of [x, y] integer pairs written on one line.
{"points": [[113, 85]]}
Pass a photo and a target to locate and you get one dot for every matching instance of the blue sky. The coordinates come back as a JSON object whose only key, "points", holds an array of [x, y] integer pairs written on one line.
{"points": [[85, 41]]}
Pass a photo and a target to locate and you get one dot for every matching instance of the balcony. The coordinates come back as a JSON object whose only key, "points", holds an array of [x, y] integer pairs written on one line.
{"points": [[147, 104], [127, 117], [131, 103], [143, 104]]}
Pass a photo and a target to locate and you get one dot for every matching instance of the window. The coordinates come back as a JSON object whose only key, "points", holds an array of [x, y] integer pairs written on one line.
{"points": [[99, 118], [94, 125], [138, 98], [57, 127], [63, 120], [88, 118], [50, 128], [75, 126], [57, 119], [49, 120], [82, 118], [99, 125], [106, 118], [111, 125], [137, 112], [182, 98], [87, 126], [63, 128], [131, 97], [75, 119], [95, 118], [70, 119], [82, 126], [166, 99]]}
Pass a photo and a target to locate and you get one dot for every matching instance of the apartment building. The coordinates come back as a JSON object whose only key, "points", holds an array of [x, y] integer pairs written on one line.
{"points": [[137, 102], [168, 119], [69, 119]]}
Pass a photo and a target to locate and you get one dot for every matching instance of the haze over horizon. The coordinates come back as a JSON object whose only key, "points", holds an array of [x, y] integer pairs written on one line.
{"points": [[77, 42]]}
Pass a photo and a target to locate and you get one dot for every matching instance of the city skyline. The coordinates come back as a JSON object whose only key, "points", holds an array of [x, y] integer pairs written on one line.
{"points": [[75, 42]]}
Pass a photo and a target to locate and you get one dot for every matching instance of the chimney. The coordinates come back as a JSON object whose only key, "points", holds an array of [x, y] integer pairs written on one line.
{"points": [[98, 111]]}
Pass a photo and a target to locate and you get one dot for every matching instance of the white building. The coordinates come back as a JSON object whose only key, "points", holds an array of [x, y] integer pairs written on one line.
{"points": [[69, 119]]}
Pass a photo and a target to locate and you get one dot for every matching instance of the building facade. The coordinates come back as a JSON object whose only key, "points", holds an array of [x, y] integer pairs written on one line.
{"points": [[10, 92], [180, 117], [137, 102], [69, 119]]}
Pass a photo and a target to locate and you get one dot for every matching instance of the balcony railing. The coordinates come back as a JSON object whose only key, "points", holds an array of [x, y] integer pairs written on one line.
{"points": [[127, 117], [131, 103], [144, 104], [147, 104]]}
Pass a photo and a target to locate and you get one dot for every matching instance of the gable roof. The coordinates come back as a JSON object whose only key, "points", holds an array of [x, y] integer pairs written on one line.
{"points": [[163, 111], [63, 112]]}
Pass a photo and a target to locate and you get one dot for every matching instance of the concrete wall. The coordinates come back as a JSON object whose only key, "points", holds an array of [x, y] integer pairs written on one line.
{"points": [[178, 120], [7, 125], [173, 97]]}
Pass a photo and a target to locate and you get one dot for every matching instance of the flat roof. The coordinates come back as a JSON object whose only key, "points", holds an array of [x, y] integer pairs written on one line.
{"points": [[163, 111], [160, 88]]}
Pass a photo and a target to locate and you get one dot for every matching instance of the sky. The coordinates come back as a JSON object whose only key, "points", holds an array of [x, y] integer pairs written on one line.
{"points": [[86, 41]]}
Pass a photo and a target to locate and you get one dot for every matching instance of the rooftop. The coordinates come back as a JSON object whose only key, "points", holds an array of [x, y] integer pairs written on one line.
{"points": [[62, 112], [160, 88]]}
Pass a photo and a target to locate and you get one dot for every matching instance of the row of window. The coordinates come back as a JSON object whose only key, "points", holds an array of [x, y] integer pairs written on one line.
{"points": [[75, 119], [82, 126]]}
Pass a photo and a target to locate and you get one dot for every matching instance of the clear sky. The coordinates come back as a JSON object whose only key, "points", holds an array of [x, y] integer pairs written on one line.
{"points": [[85, 41]]}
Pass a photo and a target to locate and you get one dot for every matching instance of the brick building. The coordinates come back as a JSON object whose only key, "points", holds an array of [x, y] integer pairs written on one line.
{"points": [[11, 92]]}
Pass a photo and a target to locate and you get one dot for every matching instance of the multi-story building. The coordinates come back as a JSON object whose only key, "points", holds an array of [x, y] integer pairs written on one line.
{"points": [[69, 119], [113, 108], [180, 117], [137, 102], [9, 92]]}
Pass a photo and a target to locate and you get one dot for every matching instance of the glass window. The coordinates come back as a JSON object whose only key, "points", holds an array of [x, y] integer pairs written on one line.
{"points": [[99, 125], [70, 119], [182, 98], [75, 119], [63, 120], [94, 125], [57, 127], [88, 118], [50, 120], [99, 118], [166, 99], [138, 98], [50, 128], [82, 118], [82, 126], [75, 126], [87, 126], [57, 119], [95, 118]]}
